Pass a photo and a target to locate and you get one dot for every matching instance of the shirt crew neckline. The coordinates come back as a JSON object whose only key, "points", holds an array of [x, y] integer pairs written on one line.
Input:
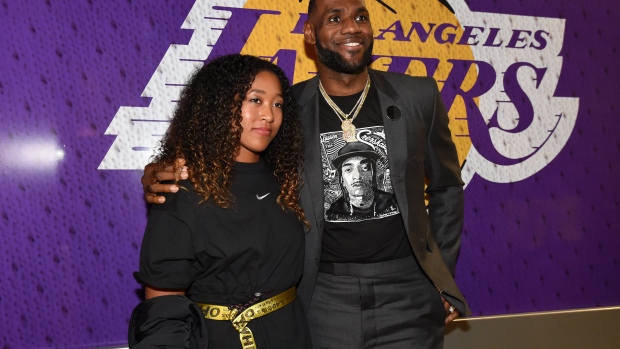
{"points": [[251, 167]]}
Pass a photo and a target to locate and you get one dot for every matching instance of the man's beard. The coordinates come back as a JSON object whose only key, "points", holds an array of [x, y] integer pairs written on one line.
{"points": [[334, 61]]}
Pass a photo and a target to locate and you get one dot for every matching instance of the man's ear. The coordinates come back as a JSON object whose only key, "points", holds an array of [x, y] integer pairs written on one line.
{"points": [[309, 33]]}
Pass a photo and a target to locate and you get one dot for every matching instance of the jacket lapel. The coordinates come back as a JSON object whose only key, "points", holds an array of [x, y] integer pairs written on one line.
{"points": [[395, 138], [313, 169]]}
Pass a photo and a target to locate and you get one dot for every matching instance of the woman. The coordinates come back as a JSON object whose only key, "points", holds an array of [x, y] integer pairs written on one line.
{"points": [[232, 240]]}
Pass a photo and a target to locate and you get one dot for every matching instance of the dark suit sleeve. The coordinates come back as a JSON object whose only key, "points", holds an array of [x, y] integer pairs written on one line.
{"points": [[445, 187]]}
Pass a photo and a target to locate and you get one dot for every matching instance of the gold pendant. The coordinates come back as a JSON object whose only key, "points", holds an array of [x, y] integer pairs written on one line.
{"points": [[348, 131]]}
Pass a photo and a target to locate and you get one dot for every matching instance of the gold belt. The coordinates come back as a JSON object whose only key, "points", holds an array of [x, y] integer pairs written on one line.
{"points": [[240, 320]]}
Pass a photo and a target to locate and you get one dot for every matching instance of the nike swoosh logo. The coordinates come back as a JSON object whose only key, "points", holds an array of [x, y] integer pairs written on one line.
{"points": [[261, 197]]}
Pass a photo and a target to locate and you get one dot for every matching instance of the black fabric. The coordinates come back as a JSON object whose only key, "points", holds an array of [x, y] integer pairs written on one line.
{"points": [[167, 322], [226, 256], [370, 240], [386, 305]]}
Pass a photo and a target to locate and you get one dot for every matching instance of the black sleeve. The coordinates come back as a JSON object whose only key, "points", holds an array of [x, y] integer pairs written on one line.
{"points": [[167, 322], [445, 188], [167, 254]]}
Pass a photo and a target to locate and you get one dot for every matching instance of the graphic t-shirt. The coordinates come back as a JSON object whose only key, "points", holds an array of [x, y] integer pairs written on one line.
{"points": [[363, 223]]}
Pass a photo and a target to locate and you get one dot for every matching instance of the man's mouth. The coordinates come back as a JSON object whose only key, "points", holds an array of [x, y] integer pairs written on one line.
{"points": [[352, 42]]}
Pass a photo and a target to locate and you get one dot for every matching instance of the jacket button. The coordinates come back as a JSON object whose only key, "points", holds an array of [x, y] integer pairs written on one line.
{"points": [[316, 261], [393, 112]]}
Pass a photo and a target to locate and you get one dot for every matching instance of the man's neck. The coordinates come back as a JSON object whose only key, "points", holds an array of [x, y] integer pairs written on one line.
{"points": [[341, 84]]}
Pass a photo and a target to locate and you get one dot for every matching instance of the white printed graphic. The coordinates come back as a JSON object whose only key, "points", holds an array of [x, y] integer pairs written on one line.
{"points": [[357, 177], [260, 197], [524, 150], [555, 117], [139, 129]]}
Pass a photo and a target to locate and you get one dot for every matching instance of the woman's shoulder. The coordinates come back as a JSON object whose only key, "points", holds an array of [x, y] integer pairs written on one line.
{"points": [[185, 198]]}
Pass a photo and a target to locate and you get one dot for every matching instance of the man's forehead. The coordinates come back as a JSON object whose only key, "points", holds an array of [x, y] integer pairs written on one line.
{"points": [[333, 4], [354, 160]]}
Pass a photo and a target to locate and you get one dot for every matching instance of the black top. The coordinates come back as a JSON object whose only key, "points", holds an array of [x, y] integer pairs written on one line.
{"points": [[379, 234], [225, 256]]}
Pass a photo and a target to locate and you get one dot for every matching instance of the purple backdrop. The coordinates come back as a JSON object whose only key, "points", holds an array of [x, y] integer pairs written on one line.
{"points": [[72, 233]]}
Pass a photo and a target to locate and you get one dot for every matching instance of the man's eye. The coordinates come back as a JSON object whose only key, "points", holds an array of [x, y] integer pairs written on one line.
{"points": [[361, 18], [334, 19]]}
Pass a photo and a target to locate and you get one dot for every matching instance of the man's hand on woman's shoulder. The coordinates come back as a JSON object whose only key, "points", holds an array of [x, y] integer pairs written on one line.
{"points": [[153, 176]]}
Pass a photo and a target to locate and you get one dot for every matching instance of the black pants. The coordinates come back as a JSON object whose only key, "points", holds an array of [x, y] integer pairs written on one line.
{"points": [[378, 305]]}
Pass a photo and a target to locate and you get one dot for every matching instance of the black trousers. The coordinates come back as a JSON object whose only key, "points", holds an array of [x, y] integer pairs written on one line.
{"points": [[378, 305]]}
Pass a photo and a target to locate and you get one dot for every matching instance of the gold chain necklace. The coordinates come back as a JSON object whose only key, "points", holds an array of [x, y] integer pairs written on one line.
{"points": [[348, 129]]}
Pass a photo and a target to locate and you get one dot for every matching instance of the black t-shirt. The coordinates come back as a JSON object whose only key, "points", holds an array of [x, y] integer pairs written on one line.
{"points": [[351, 234], [225, 256]]}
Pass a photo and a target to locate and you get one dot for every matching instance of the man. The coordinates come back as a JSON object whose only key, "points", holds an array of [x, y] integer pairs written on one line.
{"points": [[360, 199], [387, 282]]}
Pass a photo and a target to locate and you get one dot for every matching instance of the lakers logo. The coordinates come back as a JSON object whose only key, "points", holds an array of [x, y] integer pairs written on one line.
{"points": [[497, 75]]}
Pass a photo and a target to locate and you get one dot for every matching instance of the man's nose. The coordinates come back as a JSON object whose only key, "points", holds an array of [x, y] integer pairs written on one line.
{"points": [[350, 26]]}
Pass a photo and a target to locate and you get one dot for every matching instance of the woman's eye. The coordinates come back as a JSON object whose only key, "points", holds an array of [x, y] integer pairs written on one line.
{"points": [[255, 100], [278, 105]]}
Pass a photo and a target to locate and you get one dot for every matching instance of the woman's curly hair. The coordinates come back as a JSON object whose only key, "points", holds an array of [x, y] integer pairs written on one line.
{"points": [[206, 131]]}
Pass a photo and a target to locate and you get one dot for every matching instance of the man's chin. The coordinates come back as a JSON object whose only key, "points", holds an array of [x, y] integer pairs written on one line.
{"points": [[355, 62], [345, 67], [360, 192], [351, 61], [354, 70]]}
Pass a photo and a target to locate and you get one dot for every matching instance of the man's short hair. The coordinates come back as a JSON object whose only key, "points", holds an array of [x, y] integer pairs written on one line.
{"points": [[311, 6]]}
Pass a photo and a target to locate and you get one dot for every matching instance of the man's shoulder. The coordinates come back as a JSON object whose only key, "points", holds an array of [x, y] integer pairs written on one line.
{"points": [[401, 78], [423, 87], [298, 88], [300, 85]]}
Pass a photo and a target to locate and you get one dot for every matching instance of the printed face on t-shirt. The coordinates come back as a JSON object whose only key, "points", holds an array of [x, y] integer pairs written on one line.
{"points": [[357, 176], [360, 188]]}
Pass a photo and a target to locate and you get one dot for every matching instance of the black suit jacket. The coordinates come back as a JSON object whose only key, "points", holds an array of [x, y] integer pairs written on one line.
{"points": [[419, 145]]}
